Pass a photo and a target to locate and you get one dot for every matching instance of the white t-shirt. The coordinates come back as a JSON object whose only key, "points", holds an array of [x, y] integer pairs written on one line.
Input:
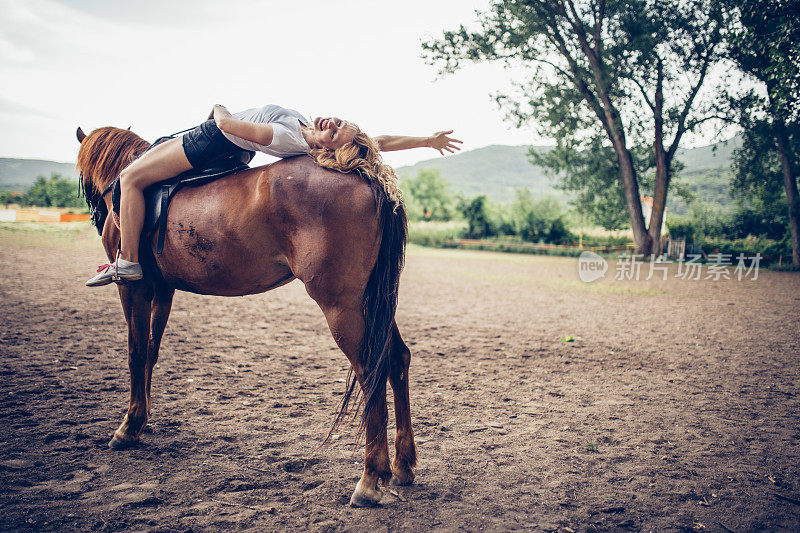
{"points": [[287, 136]]}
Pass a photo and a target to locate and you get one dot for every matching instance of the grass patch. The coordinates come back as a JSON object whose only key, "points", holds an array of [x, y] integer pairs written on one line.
{"points": [[546, 281], [434, 233], [51, 234]]}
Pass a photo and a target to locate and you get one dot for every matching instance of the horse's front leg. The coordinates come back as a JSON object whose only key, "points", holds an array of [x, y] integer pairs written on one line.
{"points": [[162, 304], [136, 298]]}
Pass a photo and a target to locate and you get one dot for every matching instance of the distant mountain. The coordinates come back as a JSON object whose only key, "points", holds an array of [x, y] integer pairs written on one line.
{"points": [[707, 174], [19, 174], [497, 170], [712, 157]]}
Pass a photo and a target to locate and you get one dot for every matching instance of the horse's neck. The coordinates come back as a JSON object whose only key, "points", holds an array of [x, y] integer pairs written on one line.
{"points": [[105, 198]]}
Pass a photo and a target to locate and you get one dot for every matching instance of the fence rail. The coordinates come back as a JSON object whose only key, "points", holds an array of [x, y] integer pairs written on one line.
{"points": [[40, 215], [492, 244]]}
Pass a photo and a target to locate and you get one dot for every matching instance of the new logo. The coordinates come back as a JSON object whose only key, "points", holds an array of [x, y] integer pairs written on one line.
{"points": [[591, 267]]}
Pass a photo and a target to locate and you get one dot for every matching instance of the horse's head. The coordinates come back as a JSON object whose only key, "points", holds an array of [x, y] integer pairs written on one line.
{"points": [[102, 156]]}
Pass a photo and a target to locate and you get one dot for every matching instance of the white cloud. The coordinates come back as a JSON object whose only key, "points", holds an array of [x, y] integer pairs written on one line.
{"points": [[159, 67]]}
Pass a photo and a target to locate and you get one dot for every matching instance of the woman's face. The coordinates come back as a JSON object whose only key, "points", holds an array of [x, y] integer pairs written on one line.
{"points": [[332, 132]]}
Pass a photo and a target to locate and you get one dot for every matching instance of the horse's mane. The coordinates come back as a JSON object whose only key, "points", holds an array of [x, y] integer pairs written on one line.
{"points": [[102, 156]]}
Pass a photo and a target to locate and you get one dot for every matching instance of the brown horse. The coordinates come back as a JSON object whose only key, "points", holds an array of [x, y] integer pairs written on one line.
{"points": [[256, 230]]}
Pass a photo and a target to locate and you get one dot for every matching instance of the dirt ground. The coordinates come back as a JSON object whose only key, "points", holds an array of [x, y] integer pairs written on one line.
{"points": [[674, 408]]}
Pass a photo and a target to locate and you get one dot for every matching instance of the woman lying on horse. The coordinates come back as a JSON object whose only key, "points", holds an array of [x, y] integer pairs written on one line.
{"points": [[332, 142]]}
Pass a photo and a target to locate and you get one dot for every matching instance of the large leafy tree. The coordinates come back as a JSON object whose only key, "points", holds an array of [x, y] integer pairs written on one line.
{"points": [[605, 78], [764, 42], [429, 193], [591, 174]]}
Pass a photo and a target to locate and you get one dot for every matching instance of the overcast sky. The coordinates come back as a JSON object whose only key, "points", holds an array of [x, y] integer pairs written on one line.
{"points": [[159, 66]]}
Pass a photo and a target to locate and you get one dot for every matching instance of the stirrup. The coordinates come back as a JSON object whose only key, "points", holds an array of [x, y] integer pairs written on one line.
{"points": [[115, 277]]}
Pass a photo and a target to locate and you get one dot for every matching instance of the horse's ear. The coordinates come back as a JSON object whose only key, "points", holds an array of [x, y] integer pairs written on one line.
{"points": [[80, 135], [129, 128]]}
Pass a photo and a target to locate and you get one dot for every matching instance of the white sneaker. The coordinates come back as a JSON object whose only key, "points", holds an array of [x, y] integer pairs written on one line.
{"points": [[127, 271]]}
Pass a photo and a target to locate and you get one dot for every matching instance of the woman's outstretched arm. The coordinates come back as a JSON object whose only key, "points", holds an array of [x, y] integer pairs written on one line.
{"points": [[438, 141]]}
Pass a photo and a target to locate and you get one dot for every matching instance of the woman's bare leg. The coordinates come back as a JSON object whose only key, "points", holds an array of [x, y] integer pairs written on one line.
{"points": [[163, 162]]}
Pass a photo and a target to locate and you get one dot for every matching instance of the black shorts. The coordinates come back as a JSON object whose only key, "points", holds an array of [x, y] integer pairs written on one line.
{"points": [[206, 143]]}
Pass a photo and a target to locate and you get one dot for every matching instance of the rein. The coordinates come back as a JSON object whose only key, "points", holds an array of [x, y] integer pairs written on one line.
{"points": [[106, 190]]}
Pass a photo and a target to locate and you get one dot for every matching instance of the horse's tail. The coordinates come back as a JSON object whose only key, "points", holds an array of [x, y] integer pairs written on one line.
{"points": [[378, 305]]}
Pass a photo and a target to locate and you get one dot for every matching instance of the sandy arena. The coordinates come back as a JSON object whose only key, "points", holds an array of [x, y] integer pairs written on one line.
{"points": [[675, 408]]}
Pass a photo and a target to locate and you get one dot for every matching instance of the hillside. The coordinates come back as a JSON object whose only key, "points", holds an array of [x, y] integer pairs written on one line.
{"points": [[711, 157], [497, 170], [19, 174], [707, 174]]}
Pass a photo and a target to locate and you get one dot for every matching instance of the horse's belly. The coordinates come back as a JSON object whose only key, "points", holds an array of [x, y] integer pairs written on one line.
{"points": [[222, 252], [227, 280]]}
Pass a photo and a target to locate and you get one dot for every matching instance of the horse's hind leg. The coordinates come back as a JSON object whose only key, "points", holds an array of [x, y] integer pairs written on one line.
{"points": [[405, 458], [347, 326], [162, 304], [136, 298]]}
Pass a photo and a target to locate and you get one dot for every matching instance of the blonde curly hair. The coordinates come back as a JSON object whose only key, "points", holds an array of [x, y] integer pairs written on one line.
{"points": [[362, 155]]}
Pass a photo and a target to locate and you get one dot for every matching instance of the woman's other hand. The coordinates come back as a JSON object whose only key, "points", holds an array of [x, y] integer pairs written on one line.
{"points": [[220, 115], [441, 142]]}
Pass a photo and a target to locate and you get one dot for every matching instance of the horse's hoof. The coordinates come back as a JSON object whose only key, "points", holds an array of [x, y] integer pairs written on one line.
{"points": [[121, 444], [359, 500], [402, 480], [365, 497]]}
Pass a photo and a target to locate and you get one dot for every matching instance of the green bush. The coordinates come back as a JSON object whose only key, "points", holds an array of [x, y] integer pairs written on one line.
{"points": [[428, 196], [759, 218], [681, 227], [749, 219], [55, 192], [479, 220], [541, 220], [748, 246], [605, 240]]}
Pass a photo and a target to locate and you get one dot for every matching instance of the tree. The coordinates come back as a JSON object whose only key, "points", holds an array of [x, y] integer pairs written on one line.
{"points": [[538, 220], [55, 192], [758, 182], [764, 45], [430, 193], [7, 197], [619, 73], [478, 221], [592, 175], [36, 193]]}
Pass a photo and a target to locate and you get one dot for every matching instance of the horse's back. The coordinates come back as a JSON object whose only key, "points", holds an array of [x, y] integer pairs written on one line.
{"points": [[261, 228], [312, 195]]}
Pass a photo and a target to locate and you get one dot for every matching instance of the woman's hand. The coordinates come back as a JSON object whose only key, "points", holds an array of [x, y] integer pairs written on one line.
{"points": [[441, 142], [220, 114], [211, 115]]}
